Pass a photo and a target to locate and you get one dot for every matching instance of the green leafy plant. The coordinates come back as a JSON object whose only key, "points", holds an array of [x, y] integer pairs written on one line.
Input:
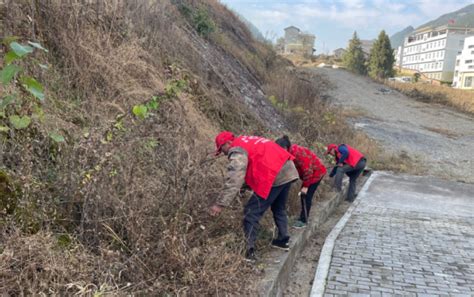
{"points": [[20, 122], [140, 111], [56, 137], [173, 88], [199, 19], [203, 24], [13, 74]]}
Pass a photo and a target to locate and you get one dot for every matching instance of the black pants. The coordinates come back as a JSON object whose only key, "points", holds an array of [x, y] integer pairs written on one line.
{"points": [[256, 207], [307, 201], [353, 174]]}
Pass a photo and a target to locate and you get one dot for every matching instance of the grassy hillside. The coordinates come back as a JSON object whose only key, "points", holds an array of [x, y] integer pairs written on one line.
{"points": [[105, 182]]}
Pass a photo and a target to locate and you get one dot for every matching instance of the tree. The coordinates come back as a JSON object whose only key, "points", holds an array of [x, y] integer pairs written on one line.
{"points": [[353, 58], [381, 58]]}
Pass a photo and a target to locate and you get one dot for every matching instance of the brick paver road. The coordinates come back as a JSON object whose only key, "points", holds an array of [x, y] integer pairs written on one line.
{"points": [[408, 236]]}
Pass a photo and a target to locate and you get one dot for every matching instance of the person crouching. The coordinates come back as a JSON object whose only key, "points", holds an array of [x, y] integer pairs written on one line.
{"points": [[311, 171], [269, 171]]}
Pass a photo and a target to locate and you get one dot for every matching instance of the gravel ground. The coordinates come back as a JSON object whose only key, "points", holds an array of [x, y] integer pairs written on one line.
{"points": [[442, 137], [302, 274]]}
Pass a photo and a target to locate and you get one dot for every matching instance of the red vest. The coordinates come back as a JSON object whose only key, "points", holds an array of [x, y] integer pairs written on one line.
{"points": [[353, 158], [310, 168], [265, 160]]}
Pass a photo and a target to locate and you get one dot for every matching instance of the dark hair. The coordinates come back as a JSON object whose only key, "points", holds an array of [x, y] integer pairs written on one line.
{"points": [[284, 142]]}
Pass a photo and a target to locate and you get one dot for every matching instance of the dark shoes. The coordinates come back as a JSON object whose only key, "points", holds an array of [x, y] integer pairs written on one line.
{"points": [[299, 224], [250, 256], [281, 244]]}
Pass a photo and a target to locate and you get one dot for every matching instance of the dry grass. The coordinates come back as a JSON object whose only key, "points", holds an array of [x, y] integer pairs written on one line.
{"points": [[137, 188], [462, 100]]}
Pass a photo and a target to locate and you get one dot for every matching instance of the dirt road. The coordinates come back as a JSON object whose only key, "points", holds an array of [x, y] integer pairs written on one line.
{"points": [[443, 138]]}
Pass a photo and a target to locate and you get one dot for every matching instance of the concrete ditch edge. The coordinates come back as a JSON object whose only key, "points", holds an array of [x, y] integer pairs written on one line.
{"points": [[275, 280], [320, 279]]}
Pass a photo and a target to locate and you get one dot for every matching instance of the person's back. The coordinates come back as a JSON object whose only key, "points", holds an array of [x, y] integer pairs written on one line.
{"points": [[311, 171], [309, 165], [349, 161]]}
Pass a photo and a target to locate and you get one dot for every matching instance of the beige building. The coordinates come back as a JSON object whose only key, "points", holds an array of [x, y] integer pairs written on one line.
{"points": [[296, 42], [464, 69]]}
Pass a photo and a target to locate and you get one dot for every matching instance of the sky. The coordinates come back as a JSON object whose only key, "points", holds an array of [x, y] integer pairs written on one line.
{"points": [[333, 22]]}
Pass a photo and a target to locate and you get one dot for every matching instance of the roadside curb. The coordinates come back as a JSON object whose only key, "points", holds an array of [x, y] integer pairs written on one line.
{"points": [[280, 264], [320, 279]]}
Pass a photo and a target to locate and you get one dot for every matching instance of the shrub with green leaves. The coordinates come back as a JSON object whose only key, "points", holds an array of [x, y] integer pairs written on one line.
{"points": [[199, 19], [203, 23], [23, 90]]}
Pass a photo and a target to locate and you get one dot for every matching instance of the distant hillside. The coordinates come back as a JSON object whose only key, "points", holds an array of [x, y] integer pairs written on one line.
{"points": [[396, 39], [463, 17]]}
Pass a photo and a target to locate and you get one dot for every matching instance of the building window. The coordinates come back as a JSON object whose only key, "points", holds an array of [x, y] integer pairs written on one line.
{"points": [[472, 52], [468, 82], [471, 46], [468, 61], [457, 62], [441, 64]]}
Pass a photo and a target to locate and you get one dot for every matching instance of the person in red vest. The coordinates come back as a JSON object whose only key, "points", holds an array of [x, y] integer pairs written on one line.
{"points": [[349, 161], [311, 171], [269, 171]]}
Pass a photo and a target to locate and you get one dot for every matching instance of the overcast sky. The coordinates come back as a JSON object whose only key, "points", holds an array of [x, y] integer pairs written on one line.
{"points": [[333, 22]]}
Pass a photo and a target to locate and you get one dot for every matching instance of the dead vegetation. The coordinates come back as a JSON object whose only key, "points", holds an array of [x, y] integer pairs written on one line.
{"points": [[121, 206], [462, 100]]}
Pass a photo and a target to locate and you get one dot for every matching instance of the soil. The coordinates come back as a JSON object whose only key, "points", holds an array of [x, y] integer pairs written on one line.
{"points": [[439, 135], [302, 275]]}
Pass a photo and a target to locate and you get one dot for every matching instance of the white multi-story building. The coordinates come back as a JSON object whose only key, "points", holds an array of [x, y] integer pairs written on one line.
{"points": [[464, 71], [398, 56], [432, 51]]}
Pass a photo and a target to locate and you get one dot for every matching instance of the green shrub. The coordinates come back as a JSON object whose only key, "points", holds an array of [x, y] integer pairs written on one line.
{"points": [[199, 19]]}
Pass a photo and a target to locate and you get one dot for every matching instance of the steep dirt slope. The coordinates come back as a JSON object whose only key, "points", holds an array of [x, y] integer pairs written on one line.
{"points": [[120, 204]]}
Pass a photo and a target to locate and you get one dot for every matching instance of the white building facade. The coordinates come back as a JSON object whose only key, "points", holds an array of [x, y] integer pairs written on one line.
{"points": [[464, 70], [398, 56], [433, 51]]}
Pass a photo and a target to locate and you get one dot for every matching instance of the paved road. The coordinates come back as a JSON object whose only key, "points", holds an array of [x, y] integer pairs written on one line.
{"points": [[411, 236], [443, 137]]}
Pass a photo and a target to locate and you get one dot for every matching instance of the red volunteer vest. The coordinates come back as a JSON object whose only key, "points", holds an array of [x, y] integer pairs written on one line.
{"points": [[310, 168], [265, 160], [353, 158]]}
